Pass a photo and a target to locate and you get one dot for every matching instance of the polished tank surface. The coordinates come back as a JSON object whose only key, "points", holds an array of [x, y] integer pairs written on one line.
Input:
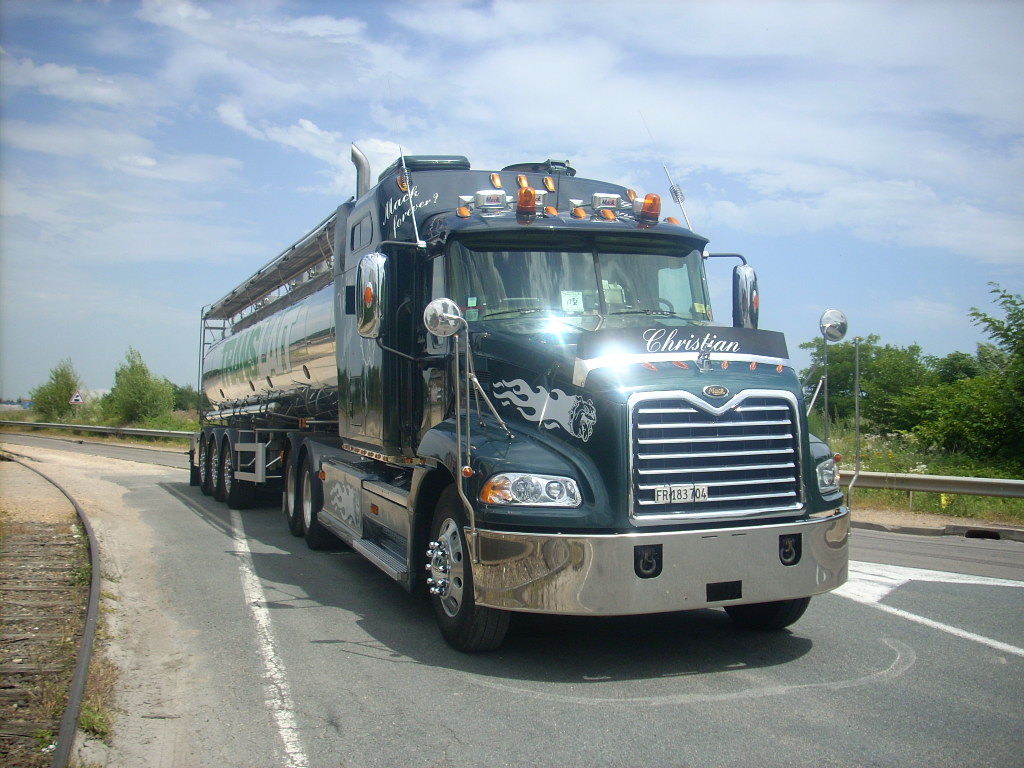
{"points": [[281, 357]]}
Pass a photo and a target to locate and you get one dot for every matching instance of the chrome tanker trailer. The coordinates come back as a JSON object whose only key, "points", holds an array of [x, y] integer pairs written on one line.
{"points": [[509, 388]]}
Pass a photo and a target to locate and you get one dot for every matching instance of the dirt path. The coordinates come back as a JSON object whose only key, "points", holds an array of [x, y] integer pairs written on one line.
{"points": [[155, 691]]}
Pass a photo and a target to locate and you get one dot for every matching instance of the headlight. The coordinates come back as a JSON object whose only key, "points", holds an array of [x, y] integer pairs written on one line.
{"points": [[828, 476], [534, 490]]}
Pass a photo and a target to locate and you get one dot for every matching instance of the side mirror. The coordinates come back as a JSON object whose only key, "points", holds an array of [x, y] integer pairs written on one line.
{"points": [[746, 301], [370, 295], [442, 317]]}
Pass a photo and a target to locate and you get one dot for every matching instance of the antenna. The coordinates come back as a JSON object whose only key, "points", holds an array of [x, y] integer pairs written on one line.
{"points": [[675, 189], [677, 195]]}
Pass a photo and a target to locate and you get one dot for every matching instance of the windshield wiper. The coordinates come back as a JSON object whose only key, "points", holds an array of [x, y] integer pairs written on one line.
{"points": [[523, 311], [645, 312]]}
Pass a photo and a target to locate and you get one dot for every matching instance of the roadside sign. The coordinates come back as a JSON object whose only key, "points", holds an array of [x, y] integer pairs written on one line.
{"points": [[77, 399]]}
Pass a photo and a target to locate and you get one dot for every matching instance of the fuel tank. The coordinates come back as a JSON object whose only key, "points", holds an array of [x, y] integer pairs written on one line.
{"points": [[287, 357]]}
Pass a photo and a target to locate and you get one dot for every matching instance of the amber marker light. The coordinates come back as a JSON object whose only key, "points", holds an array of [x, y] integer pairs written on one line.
{"points": [[522, 181], [496, 180], [549, 184], [608, 214], [550, 210], [579, 213], [651, 210], [527, 203], [631, 194], [463, 212]]}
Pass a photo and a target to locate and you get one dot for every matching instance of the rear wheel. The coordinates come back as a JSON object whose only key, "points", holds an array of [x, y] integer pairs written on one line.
{"points": [[208, 465], [466, 626], [312, 501], [236, 493], [291, 503], [768, 616]]}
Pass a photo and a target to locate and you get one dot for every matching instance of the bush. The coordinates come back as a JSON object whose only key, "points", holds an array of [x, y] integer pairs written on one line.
{"points": [[53, 399], [137, 395]]}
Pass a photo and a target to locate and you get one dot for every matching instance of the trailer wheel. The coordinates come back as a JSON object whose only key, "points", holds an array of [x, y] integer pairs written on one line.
{"points": [[291, 504], [311, 496], [466, 626], [236, 493], [768, 616], [207, 466], [194, 474]]}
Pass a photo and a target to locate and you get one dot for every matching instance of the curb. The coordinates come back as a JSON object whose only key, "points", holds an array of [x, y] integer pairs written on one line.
{"points": [[982, 531]]}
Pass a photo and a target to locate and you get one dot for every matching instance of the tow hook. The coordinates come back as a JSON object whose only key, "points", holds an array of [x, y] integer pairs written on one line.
{"points": [[790, 549], [647, 561]]}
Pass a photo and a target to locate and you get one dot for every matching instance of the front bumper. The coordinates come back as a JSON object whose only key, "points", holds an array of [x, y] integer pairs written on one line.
{"points": [[638, 573]]}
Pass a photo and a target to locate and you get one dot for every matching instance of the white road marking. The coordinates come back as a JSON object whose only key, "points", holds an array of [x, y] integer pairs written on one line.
{"points": [[869, 583], [275, 682]]}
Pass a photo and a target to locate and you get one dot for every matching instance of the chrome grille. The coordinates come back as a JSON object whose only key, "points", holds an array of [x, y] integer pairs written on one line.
{"points": [[745, 452]]}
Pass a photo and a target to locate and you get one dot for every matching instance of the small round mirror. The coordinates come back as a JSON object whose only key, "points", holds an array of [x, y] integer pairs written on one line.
{"points": [[442, 317], [833, 325]]}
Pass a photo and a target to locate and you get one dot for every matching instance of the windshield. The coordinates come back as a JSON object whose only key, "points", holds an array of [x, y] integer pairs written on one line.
{"points": [[602, 283]]}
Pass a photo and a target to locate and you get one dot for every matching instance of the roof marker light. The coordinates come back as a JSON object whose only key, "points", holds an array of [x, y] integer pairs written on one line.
{"points": [[608, 214], [579, 213], [672, 220], [631, 194], [550, 210], [549, 183], [522, 181], [496, 180], [463, 212]]}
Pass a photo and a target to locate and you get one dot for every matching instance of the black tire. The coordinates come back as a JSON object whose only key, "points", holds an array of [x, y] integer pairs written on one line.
{"points": [[207, 478], [768, 616], [464, 625], [311, 498], [291, 503], [237, 494], [193, 467]]}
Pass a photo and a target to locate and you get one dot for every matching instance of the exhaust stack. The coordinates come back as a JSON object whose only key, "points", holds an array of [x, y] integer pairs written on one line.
{"points": [[362, 171]]}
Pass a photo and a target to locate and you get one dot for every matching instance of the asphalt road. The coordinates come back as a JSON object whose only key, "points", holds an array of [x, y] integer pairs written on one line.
{"points": [[318, 659]]}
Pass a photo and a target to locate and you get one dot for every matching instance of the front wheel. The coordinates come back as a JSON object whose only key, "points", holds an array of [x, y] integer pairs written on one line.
{"points": [[768, 616], [466, 626]]}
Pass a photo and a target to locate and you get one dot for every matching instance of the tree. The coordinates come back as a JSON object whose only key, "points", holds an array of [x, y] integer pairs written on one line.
{"points": [[955, 366], [186, 398], [1007, 334], [886, 373], [53, 399], [137, 395]]}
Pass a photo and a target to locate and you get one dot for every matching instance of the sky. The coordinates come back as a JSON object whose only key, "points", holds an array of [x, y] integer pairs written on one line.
{"points": [[866, 156]]}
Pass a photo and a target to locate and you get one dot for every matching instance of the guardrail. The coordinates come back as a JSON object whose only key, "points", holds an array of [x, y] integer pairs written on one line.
{"points": [[117, 431], [965, 486]]}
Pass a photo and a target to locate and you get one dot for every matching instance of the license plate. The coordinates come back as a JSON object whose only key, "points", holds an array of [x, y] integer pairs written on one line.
{"points": [[680, 494]]}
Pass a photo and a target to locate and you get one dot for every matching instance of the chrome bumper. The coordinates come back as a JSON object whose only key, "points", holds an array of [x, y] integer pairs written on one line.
{"points": [[611, 575]]}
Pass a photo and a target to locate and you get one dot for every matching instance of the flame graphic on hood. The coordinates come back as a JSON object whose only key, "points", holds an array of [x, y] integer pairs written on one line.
{"points": [[549, 409]]}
